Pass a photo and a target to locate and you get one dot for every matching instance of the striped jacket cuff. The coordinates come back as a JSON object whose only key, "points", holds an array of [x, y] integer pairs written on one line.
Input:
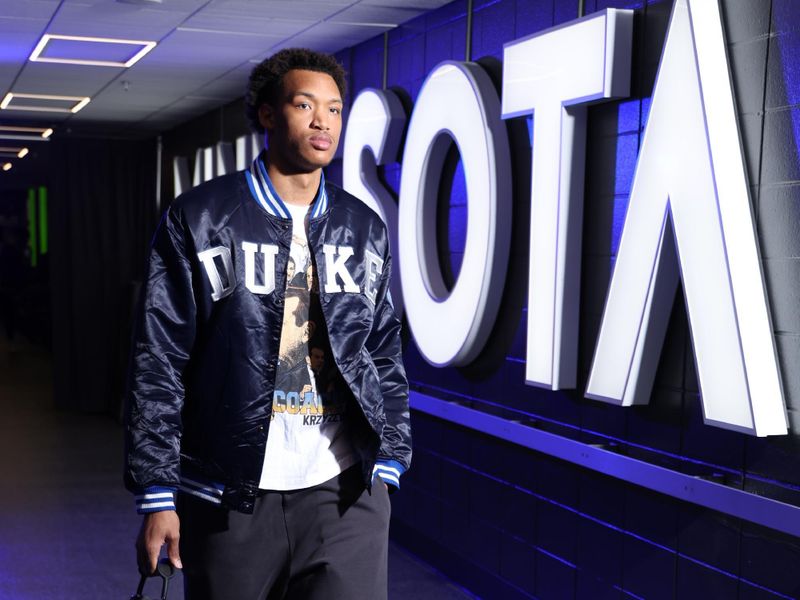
{"points": [[388, 470], [205, 490], [155, 499]]}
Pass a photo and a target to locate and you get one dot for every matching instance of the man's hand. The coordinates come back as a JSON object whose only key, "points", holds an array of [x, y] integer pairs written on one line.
{"points": [[158, 528]]}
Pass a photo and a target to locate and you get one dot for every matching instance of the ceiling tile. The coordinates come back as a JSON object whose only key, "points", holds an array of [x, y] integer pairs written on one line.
{"points": [[377, 15], [107, 18], [28, 9], [68, 80], [18, 38], [206, 51], [421, 5]]}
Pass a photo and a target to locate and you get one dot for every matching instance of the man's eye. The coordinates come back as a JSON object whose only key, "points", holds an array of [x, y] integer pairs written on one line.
{"points": [[336, 111], [304, 105]]}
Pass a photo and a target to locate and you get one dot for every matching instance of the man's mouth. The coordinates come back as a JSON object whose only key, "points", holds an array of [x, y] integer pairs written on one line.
{"points": [[321, 142]]}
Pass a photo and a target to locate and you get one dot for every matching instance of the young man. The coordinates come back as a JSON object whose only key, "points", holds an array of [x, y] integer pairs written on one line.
{"points": [[281, 480]]}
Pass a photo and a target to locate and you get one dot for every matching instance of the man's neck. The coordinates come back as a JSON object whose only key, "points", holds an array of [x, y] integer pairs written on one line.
{"points": [[295, 188]]}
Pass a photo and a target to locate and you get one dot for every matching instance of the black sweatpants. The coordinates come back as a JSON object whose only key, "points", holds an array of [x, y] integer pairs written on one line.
{"points": [[329, 541]]}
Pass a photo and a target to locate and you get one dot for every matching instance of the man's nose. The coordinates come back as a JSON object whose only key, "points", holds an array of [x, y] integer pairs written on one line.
{"points": [[321, 119]]}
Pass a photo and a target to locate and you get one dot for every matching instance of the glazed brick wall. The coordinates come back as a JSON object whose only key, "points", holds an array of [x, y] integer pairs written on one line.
{"points": [[506, 522]]}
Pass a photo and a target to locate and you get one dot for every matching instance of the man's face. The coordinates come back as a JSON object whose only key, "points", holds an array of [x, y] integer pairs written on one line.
{"points": [[317, 359], [310, 278], [304, 126]]}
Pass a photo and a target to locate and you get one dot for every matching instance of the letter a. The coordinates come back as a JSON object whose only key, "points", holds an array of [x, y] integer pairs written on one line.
{"points": [[689, 217]]}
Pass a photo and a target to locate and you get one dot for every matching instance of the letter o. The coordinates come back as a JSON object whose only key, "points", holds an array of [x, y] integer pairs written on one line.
{"points": [[457, 103]]}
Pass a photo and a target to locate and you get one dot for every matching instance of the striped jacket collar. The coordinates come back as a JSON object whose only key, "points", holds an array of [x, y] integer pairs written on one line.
{"points": [[264, 193]]}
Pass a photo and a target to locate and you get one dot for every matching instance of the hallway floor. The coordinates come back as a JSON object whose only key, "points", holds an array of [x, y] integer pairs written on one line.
{"points": [[67, 526]]}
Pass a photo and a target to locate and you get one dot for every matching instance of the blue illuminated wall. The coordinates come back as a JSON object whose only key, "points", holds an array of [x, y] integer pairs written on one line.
{"points": [[506, 522]]}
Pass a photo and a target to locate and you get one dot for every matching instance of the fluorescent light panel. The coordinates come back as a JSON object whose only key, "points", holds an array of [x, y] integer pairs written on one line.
{"points": [[33, 134], [80, 102], [7, 167], [18, 152], [44, 132], [36, 55]]}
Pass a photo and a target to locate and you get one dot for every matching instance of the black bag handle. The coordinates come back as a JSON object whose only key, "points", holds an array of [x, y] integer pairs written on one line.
{"points": [[165, 570]]}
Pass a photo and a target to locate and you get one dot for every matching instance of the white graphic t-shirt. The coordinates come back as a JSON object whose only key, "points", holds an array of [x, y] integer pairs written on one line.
{"points": [[308, 442]]}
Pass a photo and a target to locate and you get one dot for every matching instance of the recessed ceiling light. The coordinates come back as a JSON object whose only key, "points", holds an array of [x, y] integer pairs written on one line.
{"points": [[37, 54], [79, 102], [7, 167], [15, 132], [18, 151]]}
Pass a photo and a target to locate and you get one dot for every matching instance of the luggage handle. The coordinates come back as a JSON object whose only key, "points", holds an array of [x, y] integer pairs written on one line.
{"points": [[165, 570]]}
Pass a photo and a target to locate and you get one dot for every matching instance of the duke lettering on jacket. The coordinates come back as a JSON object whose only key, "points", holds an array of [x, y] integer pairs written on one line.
{"points": [[260, 275]]}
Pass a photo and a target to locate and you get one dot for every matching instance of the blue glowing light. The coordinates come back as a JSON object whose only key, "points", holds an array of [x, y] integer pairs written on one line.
{"points": [[788, 44]]}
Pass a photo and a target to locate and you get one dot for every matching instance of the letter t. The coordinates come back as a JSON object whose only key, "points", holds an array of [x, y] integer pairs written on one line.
{"points": [[553, 76]]}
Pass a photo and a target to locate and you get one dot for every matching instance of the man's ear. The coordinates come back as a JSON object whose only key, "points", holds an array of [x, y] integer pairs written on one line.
{"points": [[266, 116]]}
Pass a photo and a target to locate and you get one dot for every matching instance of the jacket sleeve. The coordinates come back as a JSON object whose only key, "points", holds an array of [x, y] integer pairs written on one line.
{"points": [[163, 338], [384, 346]]}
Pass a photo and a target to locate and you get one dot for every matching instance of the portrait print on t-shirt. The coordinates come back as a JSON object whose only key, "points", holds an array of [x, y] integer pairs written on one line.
{"points": [[307, 382], [307, 442]]}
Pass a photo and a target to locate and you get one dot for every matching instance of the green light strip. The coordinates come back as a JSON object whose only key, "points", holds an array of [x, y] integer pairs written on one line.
{"points": [[32, 226], [43, 220]]}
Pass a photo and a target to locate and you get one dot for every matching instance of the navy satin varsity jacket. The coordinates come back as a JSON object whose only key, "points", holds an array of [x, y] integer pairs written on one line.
{"points": [[200, 386]]}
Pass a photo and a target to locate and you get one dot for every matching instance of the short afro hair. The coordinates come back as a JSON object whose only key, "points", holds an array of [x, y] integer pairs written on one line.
{"points": [[266, 78]]}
